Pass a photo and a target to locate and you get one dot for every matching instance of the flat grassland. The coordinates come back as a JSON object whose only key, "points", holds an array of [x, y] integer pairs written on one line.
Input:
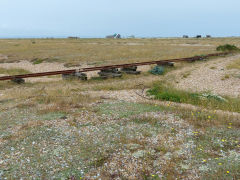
{"points": [[183, 124], [107, 51]]}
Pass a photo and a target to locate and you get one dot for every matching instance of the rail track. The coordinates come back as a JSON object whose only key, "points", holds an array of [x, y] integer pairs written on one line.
{"points": [[159, 62]]}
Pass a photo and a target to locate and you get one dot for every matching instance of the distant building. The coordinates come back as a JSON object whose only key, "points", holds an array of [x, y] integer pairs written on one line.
{"points": [[114, 36], [185, 36]]}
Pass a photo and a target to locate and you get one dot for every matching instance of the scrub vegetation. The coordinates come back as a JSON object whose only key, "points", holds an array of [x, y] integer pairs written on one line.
{"points": [[135, 127]]}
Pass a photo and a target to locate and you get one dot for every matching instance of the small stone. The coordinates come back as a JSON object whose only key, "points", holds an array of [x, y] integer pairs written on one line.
{"points": [[167, 156], [185, 166], [139, 154]]}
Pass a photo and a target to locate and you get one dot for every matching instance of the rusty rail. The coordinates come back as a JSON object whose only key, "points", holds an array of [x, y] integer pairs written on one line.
{"points": [[159, 62]]}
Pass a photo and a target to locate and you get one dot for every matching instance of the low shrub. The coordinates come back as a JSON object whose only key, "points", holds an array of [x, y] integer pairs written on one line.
{"points": [[227, 47]]}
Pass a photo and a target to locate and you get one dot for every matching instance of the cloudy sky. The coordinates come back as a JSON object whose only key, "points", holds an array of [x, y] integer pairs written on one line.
{"points": [[97, 18]]}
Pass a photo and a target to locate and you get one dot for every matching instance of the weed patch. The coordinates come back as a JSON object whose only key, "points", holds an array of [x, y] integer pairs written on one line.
{"points": [[207, 100]]}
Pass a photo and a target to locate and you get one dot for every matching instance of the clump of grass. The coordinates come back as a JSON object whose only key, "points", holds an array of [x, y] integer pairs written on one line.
{"points": [[213, 67], [13, 71], [207, 100], [37, 61], [227, 47], [185, 75], [226, 76]]}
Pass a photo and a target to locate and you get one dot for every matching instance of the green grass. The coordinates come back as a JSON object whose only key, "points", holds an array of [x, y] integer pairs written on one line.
{"points": [[207, 100], [13, 71], [37, 61]]}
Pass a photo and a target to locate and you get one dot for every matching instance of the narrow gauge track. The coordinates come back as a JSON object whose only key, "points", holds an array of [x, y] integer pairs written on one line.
{"points": [[159, 62]]}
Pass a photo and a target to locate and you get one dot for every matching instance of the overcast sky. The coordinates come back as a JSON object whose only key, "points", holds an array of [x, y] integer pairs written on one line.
{"points": [[97, 18]]}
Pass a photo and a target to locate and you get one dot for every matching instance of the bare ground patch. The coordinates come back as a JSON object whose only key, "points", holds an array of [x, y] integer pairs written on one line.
{"points": [[210, 76]]}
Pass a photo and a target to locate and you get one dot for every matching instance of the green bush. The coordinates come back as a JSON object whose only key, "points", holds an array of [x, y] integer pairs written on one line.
{"points": [[164, 93], [227, 47], [157, 70], [169, 96]]}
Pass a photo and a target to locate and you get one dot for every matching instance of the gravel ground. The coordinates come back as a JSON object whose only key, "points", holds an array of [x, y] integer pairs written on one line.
{"points": [[208, 76]]}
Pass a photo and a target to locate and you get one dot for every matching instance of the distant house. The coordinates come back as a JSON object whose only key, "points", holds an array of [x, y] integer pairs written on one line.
{"points": [[198, 36], [185, 36], [114, 36], [118, 36]]}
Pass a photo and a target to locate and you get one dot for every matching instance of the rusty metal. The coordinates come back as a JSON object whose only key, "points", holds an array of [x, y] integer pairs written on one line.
{"points": [[159, 62]]}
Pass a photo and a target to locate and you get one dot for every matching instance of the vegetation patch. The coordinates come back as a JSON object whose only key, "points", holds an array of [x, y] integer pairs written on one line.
{"points": [[126, 109], [14, 71], [227, 47], [207, 100], [216, 153], [39, 60]]}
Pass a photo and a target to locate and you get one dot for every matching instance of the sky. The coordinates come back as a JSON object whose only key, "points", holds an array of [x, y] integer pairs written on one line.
{"points": [[98, 18]]}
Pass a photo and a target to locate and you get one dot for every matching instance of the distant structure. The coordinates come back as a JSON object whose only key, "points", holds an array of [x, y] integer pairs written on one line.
{"points": [[208, 36], [198, 36], [71, 37], [114, 36], [185, 36]]}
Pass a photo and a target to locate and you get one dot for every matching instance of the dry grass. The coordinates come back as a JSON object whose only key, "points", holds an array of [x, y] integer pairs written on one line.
{"points": [[13, 71], [234, 65], [108, 51]]}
